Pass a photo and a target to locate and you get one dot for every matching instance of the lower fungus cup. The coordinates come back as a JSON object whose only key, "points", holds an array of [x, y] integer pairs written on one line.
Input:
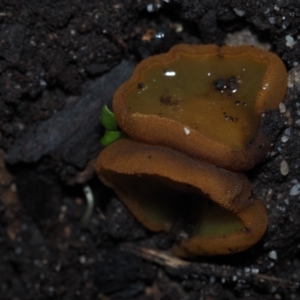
{"points": [[209, 211], [205, 101]]}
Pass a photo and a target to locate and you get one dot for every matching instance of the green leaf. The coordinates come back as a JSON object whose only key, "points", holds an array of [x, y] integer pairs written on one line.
{"points": [[108, 119], [110, 137]]}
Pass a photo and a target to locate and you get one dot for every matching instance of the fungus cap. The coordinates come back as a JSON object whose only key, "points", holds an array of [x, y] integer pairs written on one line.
{"points": [[205, 101], [163, 188]]}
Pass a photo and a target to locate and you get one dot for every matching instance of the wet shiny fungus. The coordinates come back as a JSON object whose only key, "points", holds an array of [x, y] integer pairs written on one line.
{"points": [[192, 86], [192, 118]]}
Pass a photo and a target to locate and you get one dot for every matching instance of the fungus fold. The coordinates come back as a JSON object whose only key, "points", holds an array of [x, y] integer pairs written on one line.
{"points": [[216, 93], [209, 210]]}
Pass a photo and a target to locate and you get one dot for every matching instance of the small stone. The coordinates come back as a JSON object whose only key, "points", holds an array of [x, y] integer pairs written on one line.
{"points": [[277, 297], [282, 108], [290, 42], [295, 190], [82, 259], [150, 7], [281, 208], [284, 138], [272, 20], [273, 255], [284, 168], [288, 131], [239, 12], [43, 82]]}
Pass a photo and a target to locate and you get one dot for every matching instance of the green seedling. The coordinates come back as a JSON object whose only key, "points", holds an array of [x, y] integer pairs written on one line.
{"points": [[109, 122], [108, 119], [110, 137]]}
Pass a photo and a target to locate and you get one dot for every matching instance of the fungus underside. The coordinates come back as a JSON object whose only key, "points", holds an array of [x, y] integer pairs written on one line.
{"points": [[174, 205]]}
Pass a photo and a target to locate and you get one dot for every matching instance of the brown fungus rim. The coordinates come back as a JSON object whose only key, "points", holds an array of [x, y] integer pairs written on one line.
{"points": [[231, 244], [148, 128]]}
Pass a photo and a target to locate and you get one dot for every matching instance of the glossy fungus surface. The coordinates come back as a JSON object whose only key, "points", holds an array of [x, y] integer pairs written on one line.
{"points": [[208, 210], [205, 101]]}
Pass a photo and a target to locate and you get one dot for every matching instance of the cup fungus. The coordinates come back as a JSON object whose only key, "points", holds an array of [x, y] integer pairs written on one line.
{"points": [[205, 101], [192, 116], [210, 210]]}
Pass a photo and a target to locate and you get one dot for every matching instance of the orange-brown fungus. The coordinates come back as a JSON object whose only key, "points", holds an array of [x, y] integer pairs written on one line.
{"points": [[205, 101], [209, 210]]}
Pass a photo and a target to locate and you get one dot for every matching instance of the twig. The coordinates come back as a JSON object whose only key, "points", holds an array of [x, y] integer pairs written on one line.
{"points": [[230, 273]]}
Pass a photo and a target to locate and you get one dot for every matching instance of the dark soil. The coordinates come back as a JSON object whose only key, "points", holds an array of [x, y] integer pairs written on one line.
{"points": [[60, 62]]}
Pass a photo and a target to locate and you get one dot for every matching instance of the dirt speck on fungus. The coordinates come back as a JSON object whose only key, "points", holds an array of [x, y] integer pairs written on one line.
{"points": [[60, 62]]}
